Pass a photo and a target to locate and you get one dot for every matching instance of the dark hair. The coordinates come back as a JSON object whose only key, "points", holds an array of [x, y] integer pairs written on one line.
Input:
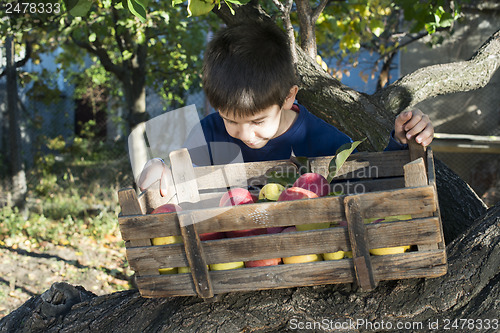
{"points": [[247, 68]]}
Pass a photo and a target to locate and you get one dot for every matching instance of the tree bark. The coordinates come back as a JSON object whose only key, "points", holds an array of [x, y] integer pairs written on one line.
{"points": [[470, 290], [17, 172]]}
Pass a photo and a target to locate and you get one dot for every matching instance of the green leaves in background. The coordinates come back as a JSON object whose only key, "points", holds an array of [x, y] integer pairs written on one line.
{"points": [[78, 7], [341, 156]]}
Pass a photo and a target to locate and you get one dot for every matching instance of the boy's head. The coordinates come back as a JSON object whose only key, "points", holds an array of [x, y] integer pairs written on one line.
{"points": [[247, 69]]}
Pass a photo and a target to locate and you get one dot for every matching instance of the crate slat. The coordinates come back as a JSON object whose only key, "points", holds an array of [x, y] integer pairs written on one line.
{"points": [[423, 231], [365, 165], [416, 200], [359, 244], [187, 191], [391, 267]]}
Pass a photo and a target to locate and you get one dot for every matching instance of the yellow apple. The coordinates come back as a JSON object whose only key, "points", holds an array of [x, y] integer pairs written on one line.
{"points": [[271, 192], [348, 254], [169, 270], [382, 251], [333, 255], [302, 259], [181, 270], [227, 265], [167, 240]]}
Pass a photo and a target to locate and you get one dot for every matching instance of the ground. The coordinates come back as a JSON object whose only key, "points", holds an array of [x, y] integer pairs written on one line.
{"points": [[27, 269]]}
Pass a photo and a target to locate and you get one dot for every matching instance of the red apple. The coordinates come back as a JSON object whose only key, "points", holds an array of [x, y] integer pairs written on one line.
{"points": [[275, 230], [246, 232], [313, 182], [212, 236], [263, 262], [239, 196], [296, 193], [166, 208], [236, 196]]}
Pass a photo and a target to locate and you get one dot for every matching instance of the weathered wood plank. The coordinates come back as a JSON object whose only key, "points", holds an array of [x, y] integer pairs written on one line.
{"points": [[416, 175], [415, 200], [422, 231], [187, 192], [130, 205], [365, 165], [409, 265], [359, 243], [238, 174]]}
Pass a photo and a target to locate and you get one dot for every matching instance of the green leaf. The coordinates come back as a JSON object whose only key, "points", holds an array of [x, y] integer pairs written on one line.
{"points": [[177, 2], [136, 7], [200, 7], [78, 8], [341, 156], [377, 27]]}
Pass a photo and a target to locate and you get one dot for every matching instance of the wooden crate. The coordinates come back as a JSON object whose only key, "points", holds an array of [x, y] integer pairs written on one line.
{"points": [[374, 185]]}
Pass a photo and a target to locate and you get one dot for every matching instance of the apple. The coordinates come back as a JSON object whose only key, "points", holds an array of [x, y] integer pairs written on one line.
{"points": [[313, 182], [271, 192], [236, 196], [182, 270], [382, 251], [296, 193], [245, 232], [227, 265], [169, 270], [212, 235], [333, 255], [275, 230], [302, 258], [185, 269], [167, 208], [167, 240], [348, 254], [263, 262]]}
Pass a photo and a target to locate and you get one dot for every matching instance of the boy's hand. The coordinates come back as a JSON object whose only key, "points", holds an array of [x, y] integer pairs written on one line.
{"points": [[413, 123], [153, 171]]}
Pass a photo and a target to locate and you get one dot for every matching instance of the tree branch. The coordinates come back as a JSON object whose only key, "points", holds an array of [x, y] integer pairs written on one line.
{"points": [[453, 77], [317, 11], [22, 62], [102, 55]]}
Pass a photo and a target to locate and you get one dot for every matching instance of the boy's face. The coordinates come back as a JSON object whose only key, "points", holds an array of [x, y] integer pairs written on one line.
{"points": [[255, 131]]}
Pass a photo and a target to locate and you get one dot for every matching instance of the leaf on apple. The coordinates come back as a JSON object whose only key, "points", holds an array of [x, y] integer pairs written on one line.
{"points": [[200, 7], [341, 156]]}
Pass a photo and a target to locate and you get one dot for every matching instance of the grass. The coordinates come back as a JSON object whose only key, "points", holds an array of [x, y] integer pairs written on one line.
{"points": [[72, 206]]}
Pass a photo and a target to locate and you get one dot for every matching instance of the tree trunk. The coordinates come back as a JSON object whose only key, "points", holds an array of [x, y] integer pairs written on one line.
{"points": [[17, 172]]}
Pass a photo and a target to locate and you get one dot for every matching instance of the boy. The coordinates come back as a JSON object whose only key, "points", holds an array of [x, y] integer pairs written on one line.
{"points": [[249, 78]]}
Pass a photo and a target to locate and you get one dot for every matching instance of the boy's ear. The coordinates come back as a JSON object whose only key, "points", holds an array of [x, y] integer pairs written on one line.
{"points": [[290, 98]]}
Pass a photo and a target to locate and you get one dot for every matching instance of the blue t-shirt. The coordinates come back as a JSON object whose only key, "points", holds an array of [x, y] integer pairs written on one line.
{"points": [[308, 136]]}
